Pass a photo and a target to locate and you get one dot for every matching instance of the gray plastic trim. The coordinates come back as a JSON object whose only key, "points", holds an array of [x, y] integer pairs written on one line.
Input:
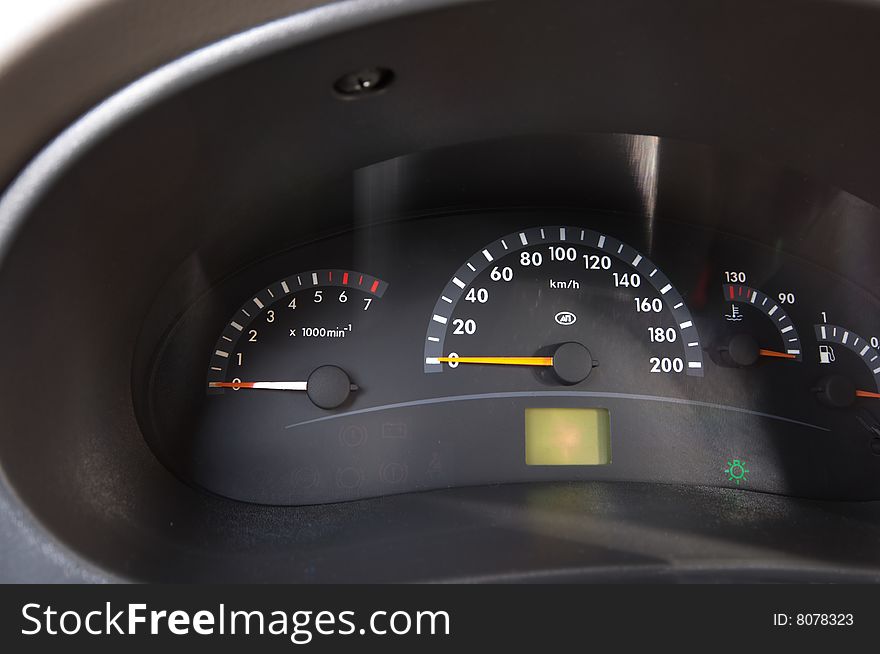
{"points": [[30, 552]]}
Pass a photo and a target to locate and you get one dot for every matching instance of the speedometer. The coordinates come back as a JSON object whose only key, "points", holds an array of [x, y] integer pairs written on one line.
{"points": [[559, 302]]}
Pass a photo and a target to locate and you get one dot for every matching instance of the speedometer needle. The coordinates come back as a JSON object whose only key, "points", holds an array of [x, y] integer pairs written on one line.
{"points": [[500, 361], [571, 362], [875, 396]]}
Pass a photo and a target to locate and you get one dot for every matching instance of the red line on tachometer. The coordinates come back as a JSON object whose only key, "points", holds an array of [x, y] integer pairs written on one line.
{"points": [[329, 275], [374, 286], [361, 281], [345, 278]]}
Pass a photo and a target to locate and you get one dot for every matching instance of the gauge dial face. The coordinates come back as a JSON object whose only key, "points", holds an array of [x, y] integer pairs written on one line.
{"points": [[293, 335], [561, 301], [865, 349], [744, 348], [852, 367]]}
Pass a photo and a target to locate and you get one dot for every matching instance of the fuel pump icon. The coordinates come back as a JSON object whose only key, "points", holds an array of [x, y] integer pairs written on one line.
{"points": [[826, 354]]}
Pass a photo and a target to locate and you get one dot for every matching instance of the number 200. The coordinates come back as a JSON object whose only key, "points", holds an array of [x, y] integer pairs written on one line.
{"points": [[666, 364]]}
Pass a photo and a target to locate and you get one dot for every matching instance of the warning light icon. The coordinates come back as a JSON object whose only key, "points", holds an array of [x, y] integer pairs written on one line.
{"points": [[736, 471]]}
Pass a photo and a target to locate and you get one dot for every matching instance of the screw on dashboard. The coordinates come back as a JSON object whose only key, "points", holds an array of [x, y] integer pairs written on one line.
{"points": [[362, 83]]}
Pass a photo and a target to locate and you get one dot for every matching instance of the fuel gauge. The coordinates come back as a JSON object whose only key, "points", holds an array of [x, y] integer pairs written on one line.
{"points": [[847, 381]]}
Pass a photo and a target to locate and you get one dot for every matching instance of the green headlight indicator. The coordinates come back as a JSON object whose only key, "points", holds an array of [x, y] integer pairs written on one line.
{"points": [[736, 471]]}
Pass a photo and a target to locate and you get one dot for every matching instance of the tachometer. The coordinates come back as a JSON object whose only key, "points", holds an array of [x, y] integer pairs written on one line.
{"points": [[291, 336], [562, 301]]}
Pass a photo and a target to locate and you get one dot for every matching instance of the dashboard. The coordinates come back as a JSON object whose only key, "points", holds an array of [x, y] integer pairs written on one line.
{"points": [[538, 345], [326, 301]]}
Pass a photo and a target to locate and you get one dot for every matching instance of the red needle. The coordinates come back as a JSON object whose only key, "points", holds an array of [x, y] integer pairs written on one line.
{"points": [[875, 396]]}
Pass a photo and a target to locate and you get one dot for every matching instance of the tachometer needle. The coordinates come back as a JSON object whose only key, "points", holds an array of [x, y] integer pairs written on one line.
{"points": [[875, 396], [327, 387], [273, 386], [500, 361], [775, 354]]}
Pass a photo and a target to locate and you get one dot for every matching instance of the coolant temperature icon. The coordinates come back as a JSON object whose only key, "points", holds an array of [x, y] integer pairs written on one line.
{"points": [[735, 315]]}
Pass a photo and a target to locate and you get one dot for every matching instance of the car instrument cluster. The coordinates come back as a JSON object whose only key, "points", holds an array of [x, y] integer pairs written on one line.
{"points": [[521, 345]]}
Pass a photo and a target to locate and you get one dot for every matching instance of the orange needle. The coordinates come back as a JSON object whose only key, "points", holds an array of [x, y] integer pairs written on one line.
{"points": [[500, 361], [876, 396], [778, 355]]}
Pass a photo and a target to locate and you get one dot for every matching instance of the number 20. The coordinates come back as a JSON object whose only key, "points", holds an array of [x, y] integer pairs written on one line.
{"points": [[464, 326]]}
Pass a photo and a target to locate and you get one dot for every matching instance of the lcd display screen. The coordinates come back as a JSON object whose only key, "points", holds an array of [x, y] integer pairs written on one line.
{"points": [[568, 437]]}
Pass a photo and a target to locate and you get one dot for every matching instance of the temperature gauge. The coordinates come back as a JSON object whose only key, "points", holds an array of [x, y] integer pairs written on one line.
{"points": [[748, 344]]}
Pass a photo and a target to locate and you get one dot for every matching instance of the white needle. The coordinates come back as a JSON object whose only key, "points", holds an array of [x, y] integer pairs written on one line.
{"points": [[273, 386]]}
